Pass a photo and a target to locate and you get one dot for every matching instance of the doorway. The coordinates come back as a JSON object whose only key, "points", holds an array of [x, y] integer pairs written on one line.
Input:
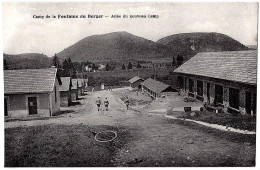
{"points": [[248, 103], [218, 94], [208, 92], [6, 106], [32, 105]]}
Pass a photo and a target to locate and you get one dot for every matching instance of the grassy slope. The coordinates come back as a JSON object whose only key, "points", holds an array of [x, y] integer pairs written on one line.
{"points": [[27, 61], [114, 46], [203, 42], [58, 145], [118, 76]]}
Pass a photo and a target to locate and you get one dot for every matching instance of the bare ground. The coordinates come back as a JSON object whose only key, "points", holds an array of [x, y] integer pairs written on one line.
{"points": [[151, 140]]}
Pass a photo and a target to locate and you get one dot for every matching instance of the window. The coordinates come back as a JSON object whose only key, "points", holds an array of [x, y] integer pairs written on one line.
{"points": [[218, 94], [234, 98], [200, 88], [190, 85]]}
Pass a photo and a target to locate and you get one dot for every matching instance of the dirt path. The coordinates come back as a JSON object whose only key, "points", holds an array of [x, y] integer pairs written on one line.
{"points": [[155, 140]]}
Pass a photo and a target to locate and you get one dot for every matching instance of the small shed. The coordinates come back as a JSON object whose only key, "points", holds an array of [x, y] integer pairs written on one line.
{"points": [[135, 82], [82, 86], [65, 91], [156, 89], [102, 86], [31, 92], [74, 90]]}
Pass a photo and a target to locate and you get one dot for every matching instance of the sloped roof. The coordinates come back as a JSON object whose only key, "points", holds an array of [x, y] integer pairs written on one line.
{"points": [[154, 85], [81, 82], [66, 83], [74, 84], [29, 80], [238, 66], [134, 79]]}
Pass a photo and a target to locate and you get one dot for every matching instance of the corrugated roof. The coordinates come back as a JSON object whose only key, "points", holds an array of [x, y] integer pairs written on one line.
{"points": [[74, 84], [238, 66], [134, 79], [66, 82], [29, 80], [154, 85]]}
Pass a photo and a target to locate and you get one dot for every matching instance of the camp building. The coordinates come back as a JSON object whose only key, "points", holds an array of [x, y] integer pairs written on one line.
{"points": [[226, 79], [65, 91], [82, 84], [155, 88], [135, 82], [74, 90], [31, 92]]}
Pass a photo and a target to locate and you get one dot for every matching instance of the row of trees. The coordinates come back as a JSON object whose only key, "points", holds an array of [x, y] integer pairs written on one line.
{"points": [[69, 68], [130, 66]]}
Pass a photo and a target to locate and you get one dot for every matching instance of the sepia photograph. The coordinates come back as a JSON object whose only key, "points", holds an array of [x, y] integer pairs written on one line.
{"points": [[130, 84]]}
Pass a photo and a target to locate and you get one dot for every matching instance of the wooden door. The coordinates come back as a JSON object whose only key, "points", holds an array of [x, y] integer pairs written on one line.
{"points": [[32, 105]]}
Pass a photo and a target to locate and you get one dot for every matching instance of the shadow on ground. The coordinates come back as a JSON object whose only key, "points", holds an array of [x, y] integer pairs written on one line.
{"points": [[63, 112]]}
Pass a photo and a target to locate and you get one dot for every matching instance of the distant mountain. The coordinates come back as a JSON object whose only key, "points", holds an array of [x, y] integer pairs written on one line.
{"points": [[120, 47], [189, 44], [114, 46], [253, 47], [27, 61]]}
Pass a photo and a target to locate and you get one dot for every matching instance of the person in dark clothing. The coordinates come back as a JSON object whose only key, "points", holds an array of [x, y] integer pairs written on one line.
{"points": [[106, 104], [127, 102], [98, 102]]}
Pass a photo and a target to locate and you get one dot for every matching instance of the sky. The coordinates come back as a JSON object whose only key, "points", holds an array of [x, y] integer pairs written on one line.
{"points": [[22, 33]]}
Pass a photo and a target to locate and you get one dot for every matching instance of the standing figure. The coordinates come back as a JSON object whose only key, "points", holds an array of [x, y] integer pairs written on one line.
{"points": [[106, 104], [127, 103], [98, 102]]}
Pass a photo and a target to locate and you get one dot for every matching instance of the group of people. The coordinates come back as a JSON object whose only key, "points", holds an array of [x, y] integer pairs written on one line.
{"points": [[98, 102], [106, 103]]}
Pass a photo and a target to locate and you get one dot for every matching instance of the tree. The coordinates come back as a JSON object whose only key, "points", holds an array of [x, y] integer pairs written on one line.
{"points": [[5, 65], [70, 64], [65, 68], [173, 61], [179, 59], [55, 61], [107, 67], [138, 65], [123, 67], [129, 65]]}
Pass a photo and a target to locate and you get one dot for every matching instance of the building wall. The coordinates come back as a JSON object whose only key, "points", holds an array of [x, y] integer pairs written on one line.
{"points": [[18, 105], [226, 87], [136, 84], [74, 95], [79, 90], [64, 98], [55, 104]]}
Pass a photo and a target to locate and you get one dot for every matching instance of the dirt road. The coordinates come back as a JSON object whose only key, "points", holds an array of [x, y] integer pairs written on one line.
{"points": [[155, 140]]}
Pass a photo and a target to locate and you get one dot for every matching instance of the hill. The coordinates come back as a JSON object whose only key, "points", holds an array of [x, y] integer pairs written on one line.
{"points": [[189, 44], [116, 46], [252, 47], [27, 61]]}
